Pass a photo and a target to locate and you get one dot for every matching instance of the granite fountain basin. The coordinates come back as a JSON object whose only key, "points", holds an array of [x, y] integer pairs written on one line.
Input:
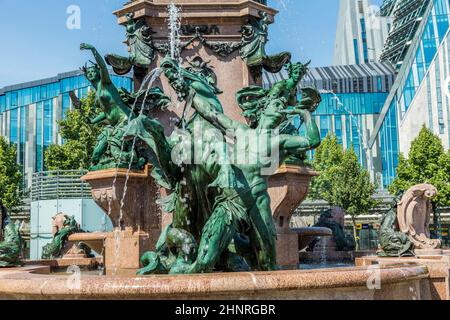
{"points": [[401, 281]]}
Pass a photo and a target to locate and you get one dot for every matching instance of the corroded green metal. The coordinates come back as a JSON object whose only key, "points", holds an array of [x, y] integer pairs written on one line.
{"points": [[343, 242], [118, 107], [54, 249], [392, 242], [222, 214], [10, 241], [140, 44], [255, 36]]}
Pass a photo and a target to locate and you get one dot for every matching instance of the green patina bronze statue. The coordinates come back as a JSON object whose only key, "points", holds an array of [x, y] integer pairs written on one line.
{"points": [[392, 242], [216, 169], [344, 242], [255, 36], [231, 219], [140, 44], [119, 106], [10, 241], [53, 250]]}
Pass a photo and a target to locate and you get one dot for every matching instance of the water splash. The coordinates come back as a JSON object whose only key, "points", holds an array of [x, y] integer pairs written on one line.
{"points": [[133, 108], [174, 25], [155, 76], [174, 31], [323, 251], [117, 249]]}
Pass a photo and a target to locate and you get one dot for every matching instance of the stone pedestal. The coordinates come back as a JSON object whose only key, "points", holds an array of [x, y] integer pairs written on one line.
{"points": [[422, 253], [94, 240], [288, 188], [123, 250], [139, 210], [140, 220]]}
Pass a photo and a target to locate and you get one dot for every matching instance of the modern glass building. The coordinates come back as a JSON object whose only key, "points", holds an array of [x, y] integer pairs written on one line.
{"points": [[352, 99], [361, 32], [420, 95], [29, 114], [407, 15]]}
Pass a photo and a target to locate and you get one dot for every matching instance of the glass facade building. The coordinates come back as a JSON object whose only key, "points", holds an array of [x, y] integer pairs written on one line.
{"points": [[420, 95], [352, 99], [29, 114], [361, 33]]}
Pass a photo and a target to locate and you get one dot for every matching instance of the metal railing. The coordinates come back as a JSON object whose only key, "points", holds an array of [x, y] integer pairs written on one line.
{"points": [[53, 185]]}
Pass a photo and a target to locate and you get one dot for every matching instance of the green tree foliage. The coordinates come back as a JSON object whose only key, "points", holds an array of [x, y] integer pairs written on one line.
{"points": [[11, 178], [343, 182], [326, 158], [79, 138], [351, 188], [427, 162]]}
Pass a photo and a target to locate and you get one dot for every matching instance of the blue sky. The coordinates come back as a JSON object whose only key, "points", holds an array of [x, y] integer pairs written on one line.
{"points": [[37, 44]]}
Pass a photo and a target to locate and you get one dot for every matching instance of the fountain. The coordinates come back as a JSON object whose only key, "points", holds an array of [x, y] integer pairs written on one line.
{"points": [[405, 238], [225, 210], [337, 248]]}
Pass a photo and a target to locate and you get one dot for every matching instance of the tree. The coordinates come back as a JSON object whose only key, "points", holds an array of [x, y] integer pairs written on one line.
{"points": [[79, 138], [11, 177], [351, 188], [343, 182], [326, 157], [427, 162]]}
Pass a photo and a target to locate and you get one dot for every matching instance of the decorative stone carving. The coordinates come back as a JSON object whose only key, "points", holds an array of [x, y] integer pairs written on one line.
{"points": [[139, 210], [414, 213], [189, 30]]}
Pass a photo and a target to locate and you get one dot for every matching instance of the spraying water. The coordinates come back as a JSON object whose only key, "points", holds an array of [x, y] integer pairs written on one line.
{"points": [[175, 36], [149, 79], [155, 76], [174, 31]]}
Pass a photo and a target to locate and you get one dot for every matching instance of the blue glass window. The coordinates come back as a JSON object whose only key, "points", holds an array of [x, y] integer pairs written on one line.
{"points": [[48, 122], [364, 40], [440, 11], [429, 42], [14, 126], [23, 133], [39, 137], [324, 126], [338, 128], [66, 103], [356, 51]]}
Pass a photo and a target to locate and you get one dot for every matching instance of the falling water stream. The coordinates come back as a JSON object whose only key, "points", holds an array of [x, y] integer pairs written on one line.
{"points": [[150, 79], [156, 74], [323, 251], [175, 45]]}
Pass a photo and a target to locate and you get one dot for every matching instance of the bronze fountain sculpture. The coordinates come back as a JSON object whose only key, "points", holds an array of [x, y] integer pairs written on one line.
{"points": [[222, 216]]}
